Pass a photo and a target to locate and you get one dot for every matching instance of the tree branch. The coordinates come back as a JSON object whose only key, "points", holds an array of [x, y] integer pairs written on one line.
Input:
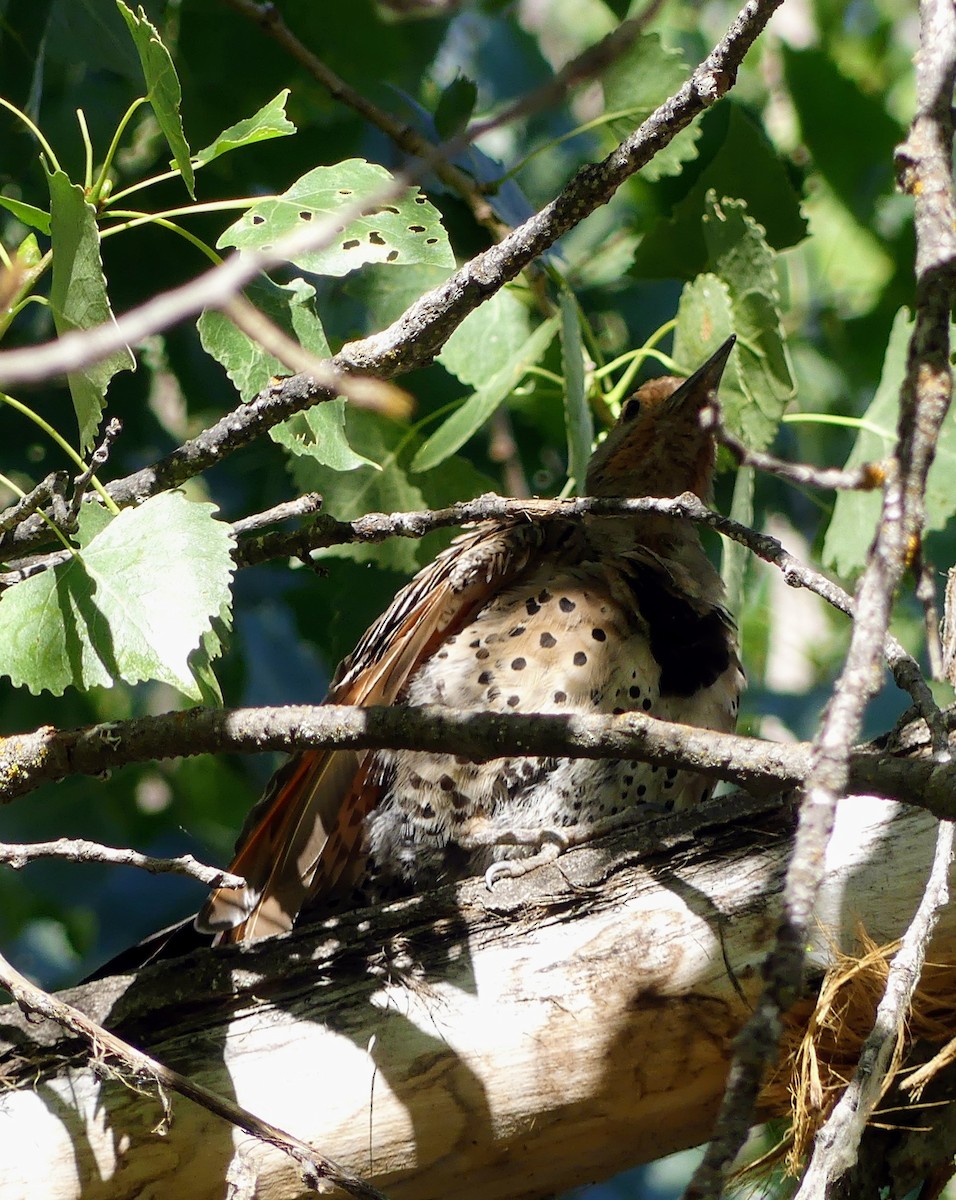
{"points": [[47, 755], [16, 855]]}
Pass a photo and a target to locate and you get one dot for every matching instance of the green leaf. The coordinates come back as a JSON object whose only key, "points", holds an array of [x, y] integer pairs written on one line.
{"points": [[480, 405], [455, 106], [577, 412], [487, 339], [736, 159], [133, 605], [404, 229], [248, 366], [28, 214], [394, 487], [320, 433], [162, 87], [91, 520], [78, 297], [269, 122], [319, 430], [745, 263], [636, 83], [705, 321]]}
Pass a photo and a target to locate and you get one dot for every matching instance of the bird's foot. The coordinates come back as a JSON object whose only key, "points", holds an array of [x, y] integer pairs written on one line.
{"points": [[552, 844], [548, 844]]}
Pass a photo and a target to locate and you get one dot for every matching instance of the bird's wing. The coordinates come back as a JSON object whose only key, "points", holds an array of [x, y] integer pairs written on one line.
{"points": [[305, 837]]}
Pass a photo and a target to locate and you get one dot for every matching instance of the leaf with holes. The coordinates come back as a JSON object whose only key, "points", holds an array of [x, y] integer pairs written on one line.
{"points": [[134, 604], [402, 229], [162, 84]]}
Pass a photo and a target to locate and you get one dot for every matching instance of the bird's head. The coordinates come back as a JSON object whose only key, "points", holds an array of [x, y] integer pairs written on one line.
{"points": [[660, 445]]}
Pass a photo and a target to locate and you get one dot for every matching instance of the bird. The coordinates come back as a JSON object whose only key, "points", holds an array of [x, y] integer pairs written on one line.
{"points": [[584, 614]]}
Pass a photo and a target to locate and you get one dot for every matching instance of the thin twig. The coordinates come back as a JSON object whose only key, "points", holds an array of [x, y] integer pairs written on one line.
{"points": [[78, 850], [864, 478], [26, 506], [98, 460], [144, 1070], [288, 510], [837, 1143]]}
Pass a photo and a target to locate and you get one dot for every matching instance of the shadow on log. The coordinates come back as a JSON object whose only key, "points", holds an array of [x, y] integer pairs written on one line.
{"points": [[570, 1024]]}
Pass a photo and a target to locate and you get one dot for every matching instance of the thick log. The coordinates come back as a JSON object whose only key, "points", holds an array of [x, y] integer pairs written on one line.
{"points": [[507, 1044]]}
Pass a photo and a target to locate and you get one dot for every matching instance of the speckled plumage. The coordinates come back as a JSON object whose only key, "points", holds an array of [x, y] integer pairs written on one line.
{"points": [[594, 615]]}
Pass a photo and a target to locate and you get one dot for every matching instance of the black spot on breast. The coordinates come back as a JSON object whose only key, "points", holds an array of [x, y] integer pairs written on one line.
{"points": [[692, 648], [518, 664], [580, 658], [599, 635], [560, 697], [548, 640], [566, 605]]}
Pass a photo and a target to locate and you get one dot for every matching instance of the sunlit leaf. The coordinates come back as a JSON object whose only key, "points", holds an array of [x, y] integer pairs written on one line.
{"points": [[404, 228], [133, 605]]}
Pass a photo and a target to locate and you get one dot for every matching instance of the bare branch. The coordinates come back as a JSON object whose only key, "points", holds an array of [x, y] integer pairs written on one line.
{"points": [[864, 478], [146, 1071], [78, 850]]}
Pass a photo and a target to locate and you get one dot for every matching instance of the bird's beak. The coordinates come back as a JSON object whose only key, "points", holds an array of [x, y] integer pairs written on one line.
{"points": [[700, 386]]}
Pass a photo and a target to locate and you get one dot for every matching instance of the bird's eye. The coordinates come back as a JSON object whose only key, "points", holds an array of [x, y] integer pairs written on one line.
{"points": [[631, 409]]}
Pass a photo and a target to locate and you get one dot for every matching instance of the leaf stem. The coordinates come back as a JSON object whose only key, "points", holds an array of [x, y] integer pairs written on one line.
{"points": [[97, 188], [64, 445], [47, 148], [88, 146]]}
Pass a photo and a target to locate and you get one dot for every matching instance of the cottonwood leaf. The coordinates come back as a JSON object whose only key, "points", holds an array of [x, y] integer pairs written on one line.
{"points": [[318, 430], [78, 297], [480, 405], [403, 229], [487, 338], [269, 122], [162, 87], [133, 605]]}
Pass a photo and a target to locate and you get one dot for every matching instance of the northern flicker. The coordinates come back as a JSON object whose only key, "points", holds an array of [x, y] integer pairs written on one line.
{"points": [[592, 615]]}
